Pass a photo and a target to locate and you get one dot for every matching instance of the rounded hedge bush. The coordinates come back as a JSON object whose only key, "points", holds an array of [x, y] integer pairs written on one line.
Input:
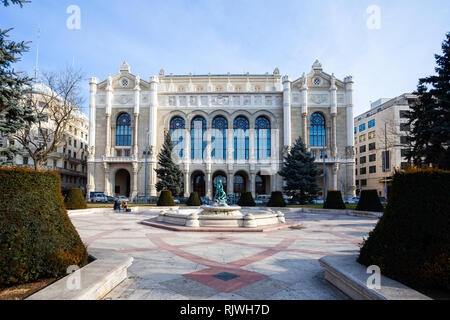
{"points": [[246, 200], [411, 241], [165, 199], [37, 238], [276, 200], [369, 201], [334, 200], [194, 200], [75, 199]]}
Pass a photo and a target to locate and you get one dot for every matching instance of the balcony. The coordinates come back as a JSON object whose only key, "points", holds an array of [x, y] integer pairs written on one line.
{"points": [[119, 159]]}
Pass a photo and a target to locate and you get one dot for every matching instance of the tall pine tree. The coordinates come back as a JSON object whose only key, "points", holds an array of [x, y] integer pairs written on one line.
{"points": [[430, 116], [170, 177], [300, 173], [15, 114]]}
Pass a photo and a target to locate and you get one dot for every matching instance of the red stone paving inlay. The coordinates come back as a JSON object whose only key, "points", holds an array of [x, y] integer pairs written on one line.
{"points": [[244, 278]]}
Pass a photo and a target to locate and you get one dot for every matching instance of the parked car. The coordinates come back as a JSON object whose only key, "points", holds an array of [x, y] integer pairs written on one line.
{"points": [[111, 199], [100, 198], [123, 198], [353, 200], [383, 201], [318, 201]]}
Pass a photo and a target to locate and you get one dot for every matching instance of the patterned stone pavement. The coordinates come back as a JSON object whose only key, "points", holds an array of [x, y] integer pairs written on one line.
{"points": [[187, 265]]}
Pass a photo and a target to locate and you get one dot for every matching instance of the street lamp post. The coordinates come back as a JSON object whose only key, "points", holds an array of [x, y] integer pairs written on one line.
{"points": [[146, 164], [324, 174]]}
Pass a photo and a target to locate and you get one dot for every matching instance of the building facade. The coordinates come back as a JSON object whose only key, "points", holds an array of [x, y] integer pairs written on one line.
{"points": [[70, 157], [381, 142], [229, 127]]}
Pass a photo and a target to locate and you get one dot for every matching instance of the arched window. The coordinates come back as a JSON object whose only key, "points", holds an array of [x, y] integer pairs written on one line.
{"points": [[262, 128], [123, 130], [198, 139], [241, 138], [219, 138], [317, 130], [177, 132]]}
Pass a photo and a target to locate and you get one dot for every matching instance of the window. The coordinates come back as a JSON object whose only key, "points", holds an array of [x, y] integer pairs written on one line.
{"points": [[177, 132], [362, 127], [65, 164], [70, 141], [372, 169], [75, 143], [119, 153], [372, 146], [363, 182], [219, 138], [238, 89], [386, 160], [372, 157], [356, 130], [198, 140], [371, 135], [362, 171], [127, 153], [257, 88], [317, 130], [356, 172], [262, 128], [181, 89], [81, 145], [362, 149], [404, 114], [362, 138], [404, 152], [241, 138], [357, 183], [404, 140], [404, 127], [362, 160], [123, 130], [25, 160], [371, 123]]}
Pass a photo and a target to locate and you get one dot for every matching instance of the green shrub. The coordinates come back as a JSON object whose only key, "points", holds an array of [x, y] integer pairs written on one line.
{"points": [[246, 200], [75, 200], [334, 200], [37, 238], [194, 200], [276, 200], [411, 241], [165, 199], [369, 201]]}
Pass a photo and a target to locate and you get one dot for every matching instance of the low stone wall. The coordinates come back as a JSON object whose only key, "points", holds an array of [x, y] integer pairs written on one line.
{"points": [[96, 279], [345, 273]]}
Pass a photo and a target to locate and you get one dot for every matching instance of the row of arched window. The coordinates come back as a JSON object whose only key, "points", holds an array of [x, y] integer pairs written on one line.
{"points": [[219, 128]]}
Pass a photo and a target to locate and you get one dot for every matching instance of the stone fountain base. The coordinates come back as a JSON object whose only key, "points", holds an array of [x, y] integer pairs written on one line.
{"points": [[221, 218]]}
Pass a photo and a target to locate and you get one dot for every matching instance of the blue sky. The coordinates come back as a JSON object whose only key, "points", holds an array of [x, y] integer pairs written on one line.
{"points": [[239, 36]]}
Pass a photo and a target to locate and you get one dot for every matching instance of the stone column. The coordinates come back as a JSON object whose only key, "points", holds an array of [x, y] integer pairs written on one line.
{"points": [[251, 144], [134, 189], [107, 179], [153, 132], [333, 112], [230, 144], [135, 138], [304, 110], [334, 177], [230, 182], [208, 184], [287, 110], [109, 96], [251, 181], [91, 150], [137, 102], [350, 172], [187, 183]]}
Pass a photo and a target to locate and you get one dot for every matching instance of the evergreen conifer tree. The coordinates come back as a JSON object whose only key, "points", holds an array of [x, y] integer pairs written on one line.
{"points": [[170, 177], [300, 172], [430, 116]]}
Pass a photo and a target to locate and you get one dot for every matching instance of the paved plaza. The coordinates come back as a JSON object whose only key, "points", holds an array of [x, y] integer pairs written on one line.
{"points": [[189, 265]]}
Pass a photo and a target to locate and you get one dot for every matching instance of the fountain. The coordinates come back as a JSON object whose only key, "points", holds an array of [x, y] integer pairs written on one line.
{"points": [[220, 217]]}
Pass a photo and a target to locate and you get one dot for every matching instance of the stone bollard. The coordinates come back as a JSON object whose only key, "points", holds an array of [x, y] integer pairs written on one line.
{"points": [[249, 221], [280, 217], [192, 221], [160, 217]]}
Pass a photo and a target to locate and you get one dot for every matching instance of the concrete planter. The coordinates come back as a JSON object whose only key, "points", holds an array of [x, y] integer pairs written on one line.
{"points": [[345, 273], [97, 279]]}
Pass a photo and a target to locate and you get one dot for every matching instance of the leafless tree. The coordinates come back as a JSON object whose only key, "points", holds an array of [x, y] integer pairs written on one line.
{"points": [[54, 102]]}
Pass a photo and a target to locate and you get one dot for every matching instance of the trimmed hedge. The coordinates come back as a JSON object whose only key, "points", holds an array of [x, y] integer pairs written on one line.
{"points": [[194, 200], [37, 238], [334, 200], [75, 200], [165, 199], [246, 200], [276, 200], [411, 241], [369, 201]]}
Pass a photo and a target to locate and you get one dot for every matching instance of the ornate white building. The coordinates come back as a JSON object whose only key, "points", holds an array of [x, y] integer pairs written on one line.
{"points": [[232, 127]]}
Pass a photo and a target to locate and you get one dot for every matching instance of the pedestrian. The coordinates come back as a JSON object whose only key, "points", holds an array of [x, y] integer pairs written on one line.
{"points": [[125, 206], [118, 204]]}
